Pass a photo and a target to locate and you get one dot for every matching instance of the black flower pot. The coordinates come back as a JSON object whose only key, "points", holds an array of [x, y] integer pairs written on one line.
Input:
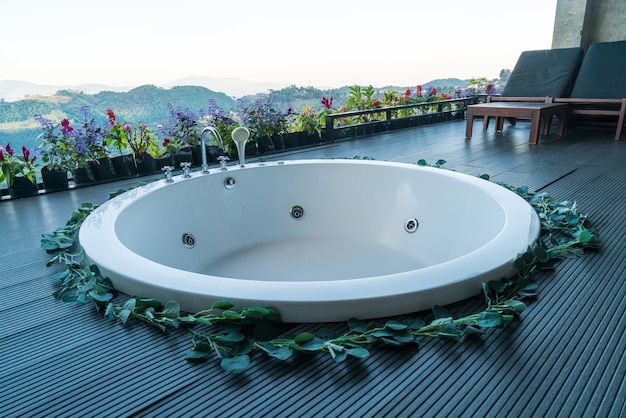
{"points": [[265, 144], [83, 175], [196, 153], [278, 141], [103, 168], [183, 156], [164, 161], [123, 165], [291, 139], [252, 149], [313, 138], [213, 151], [145, 165], [54, 180], [22, 187]]}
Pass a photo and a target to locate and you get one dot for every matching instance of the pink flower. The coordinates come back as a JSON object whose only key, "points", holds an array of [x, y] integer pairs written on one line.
{"points": [[328, 103], [1, 155], [9, 149], [127, 128], [25, 152]]}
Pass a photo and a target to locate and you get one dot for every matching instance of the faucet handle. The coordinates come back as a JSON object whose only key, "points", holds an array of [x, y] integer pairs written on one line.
{"points": [[185, 166], [222, 159], [167, 169]]}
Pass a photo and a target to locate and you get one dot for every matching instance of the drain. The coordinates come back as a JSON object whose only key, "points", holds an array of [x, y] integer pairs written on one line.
{"points": [[189, 240], [411, 225], [297, 212]]}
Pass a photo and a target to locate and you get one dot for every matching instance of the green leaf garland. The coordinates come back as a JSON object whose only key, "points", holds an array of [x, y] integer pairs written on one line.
{"points": [[233, 336]]}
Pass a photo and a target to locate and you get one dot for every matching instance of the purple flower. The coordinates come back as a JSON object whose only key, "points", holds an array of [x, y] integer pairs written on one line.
{"points": [[46, 124]]}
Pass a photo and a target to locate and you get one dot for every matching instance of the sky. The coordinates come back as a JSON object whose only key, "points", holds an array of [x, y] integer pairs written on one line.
{"points": [[322, 43]]}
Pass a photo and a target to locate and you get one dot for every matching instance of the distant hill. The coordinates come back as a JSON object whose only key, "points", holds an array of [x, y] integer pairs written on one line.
{"points": [[13, 90], [439, 83], [145, 104], [234, 87]]}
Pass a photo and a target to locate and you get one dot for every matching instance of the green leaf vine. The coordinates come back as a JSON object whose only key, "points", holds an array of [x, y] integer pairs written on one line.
{"points": [[234, 335]]}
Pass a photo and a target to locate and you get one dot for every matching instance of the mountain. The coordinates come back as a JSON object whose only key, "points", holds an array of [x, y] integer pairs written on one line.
{"points": [[439, 83], [235, 87], [13, 90], [146, 104]]}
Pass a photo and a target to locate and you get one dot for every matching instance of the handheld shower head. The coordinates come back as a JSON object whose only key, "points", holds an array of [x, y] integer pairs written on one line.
{"points": [[240, 135]]}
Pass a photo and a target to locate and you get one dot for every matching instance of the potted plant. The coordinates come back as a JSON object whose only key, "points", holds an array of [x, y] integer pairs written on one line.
{"points": [[93, 135], [265, 121], [18, 171], [224, 122], [116, 139], [183, 131], [164, 154], [82, 172], [56, 154], [308, 123], [140, 139]]}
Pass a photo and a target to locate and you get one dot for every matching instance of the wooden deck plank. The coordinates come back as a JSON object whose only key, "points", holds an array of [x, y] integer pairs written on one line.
{"points": [[565, 358]]}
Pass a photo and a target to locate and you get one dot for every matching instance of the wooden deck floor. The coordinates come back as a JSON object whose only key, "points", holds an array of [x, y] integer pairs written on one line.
{"points": [[566, 357]]}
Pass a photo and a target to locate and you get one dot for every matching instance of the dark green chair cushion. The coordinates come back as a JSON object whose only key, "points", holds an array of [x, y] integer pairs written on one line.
{"points": [[603, 72], [547, 72]]}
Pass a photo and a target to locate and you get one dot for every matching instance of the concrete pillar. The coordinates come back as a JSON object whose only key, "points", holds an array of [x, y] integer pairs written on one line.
{"points": [[583, 22], [569, 23]]}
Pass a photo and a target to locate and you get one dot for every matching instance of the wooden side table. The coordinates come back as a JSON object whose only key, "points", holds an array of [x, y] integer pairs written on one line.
{"points": [[538, 113]]}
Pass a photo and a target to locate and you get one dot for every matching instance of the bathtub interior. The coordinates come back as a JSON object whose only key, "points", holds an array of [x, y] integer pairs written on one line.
{"points": [[353, 224]]}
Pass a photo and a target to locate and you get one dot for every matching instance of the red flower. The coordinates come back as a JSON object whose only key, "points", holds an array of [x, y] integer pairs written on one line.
{"points": [[25, 152], [111, 116], [166, 142], [418, 90], [9, 150], [407, 93], [65, 127], [376, 103], [328, 103], [1, 155]]}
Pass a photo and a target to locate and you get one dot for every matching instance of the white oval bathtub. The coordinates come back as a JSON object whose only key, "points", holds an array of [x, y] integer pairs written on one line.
{"points": [[352, 253]]}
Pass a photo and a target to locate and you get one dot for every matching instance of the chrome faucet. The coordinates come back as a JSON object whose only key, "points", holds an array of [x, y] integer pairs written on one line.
{"points": [[205, 165]]}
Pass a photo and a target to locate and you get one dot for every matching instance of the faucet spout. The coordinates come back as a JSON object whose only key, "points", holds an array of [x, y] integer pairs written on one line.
{"points": [[216, 135]]}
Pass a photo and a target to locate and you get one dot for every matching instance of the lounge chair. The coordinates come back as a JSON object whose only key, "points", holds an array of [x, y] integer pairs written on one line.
{"points": [[598, 95], [538, 76]]}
